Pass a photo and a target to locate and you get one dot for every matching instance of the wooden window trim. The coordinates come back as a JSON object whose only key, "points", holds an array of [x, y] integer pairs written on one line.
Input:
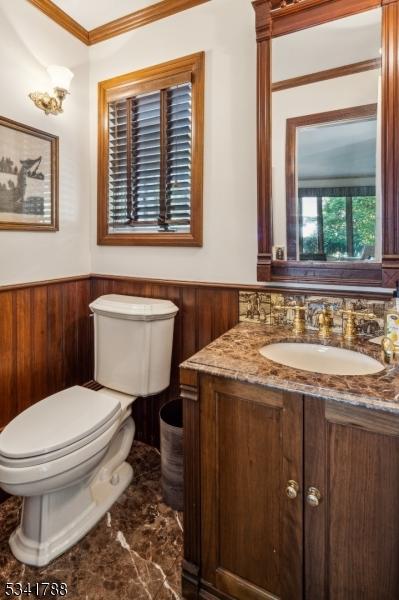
{"points": [[189, 68], [147, 86]]}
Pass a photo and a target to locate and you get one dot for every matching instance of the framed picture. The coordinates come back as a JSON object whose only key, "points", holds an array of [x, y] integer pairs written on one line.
{"points": [[28, 178]]}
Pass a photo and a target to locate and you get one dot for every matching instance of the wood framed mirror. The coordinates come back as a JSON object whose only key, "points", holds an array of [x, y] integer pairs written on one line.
{"points": [[333, 199], [328, 191]]}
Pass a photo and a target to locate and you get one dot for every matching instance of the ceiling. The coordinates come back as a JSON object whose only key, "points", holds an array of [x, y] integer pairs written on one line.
{"points": [[338, 150], [93, 14]]}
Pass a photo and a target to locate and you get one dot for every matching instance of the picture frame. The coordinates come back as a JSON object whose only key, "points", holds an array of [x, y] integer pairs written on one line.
{"points": [[28, 178]]}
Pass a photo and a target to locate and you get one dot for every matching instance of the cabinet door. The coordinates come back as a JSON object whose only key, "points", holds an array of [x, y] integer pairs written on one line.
{"points": [[352, 535], [251, 447]]}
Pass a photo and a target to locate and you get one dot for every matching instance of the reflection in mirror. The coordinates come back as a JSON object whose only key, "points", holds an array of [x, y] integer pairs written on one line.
{"points": [[331, 200], [326, 164]]}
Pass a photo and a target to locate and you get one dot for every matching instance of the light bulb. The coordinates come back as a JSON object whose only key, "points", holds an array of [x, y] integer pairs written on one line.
{"points": [[61, 77]]}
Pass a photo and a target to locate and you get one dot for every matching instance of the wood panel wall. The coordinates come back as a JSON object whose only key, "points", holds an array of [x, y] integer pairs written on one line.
{"points": [[46, 338], [45, 342], [205, 312]]}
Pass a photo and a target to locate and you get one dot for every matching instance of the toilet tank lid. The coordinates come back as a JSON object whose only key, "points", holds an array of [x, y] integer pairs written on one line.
{"points": [[134, 307]]}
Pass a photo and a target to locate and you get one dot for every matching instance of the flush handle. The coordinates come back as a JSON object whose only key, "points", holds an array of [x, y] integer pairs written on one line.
{"points": [[313, 497], [292, 489]]}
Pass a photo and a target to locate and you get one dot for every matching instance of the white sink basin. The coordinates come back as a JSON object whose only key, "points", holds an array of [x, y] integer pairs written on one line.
{"points": [[321, 359]]}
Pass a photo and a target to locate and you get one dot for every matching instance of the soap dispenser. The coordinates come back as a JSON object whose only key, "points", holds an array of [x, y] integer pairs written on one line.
{"points": [[392, 319]]}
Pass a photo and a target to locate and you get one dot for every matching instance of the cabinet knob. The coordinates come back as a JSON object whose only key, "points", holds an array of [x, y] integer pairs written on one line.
{"points": [[313, 497], [292, 489]]}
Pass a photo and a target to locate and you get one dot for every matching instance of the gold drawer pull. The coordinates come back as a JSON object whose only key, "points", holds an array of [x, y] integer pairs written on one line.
{"points": [[292, 489], [313, 497]]}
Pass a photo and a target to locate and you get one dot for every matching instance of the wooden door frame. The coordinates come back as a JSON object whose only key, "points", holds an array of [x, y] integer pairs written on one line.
{"points": [[273, 19]]}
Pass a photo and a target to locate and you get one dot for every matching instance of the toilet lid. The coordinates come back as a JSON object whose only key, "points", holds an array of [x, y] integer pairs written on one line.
{"points": [[57, 422]]}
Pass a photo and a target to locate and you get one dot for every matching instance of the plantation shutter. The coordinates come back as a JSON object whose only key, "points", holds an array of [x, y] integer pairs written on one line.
{"points": [[146, 160], [178, 185], [149, 157], [118, 171]]}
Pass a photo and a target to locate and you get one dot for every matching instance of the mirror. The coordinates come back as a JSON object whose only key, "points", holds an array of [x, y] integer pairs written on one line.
{"points": [[326, 123]]}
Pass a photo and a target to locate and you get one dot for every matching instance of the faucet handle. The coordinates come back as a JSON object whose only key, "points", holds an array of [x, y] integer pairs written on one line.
{"points": [[349, 313], [349, 330], [298, 326], [296, 307], [326, 321]]}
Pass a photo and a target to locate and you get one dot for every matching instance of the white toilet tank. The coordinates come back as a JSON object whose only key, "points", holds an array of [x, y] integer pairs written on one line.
{"points": [[133, 343]]}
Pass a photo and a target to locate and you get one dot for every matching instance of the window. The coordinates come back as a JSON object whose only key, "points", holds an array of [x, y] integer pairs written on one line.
{"points": [[337, 224], [151, 155]]}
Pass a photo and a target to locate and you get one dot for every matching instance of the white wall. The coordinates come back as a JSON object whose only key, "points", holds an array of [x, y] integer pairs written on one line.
{"points": [[333, 44], [29, 42], [225, 30]]}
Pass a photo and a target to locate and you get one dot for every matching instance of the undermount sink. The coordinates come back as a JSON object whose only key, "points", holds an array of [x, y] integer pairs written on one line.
{"points": [[321, 359]]}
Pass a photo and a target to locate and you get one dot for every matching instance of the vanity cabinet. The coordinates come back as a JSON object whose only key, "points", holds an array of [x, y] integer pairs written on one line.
{"points": [[287, 497], [351, 538], [251, 446]]}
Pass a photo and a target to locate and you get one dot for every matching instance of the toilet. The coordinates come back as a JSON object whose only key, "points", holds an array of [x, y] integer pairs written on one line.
{"points": [[66, 455]]}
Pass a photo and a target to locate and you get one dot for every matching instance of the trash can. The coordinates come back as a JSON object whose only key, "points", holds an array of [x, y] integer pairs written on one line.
{"points": [[171, 417]]}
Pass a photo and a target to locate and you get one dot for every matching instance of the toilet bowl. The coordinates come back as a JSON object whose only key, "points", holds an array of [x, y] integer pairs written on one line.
{"points": [[67, 485], [66, 455]]}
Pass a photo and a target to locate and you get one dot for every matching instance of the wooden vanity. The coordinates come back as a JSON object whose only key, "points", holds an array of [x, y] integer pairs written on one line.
{"points": [[291, 479]]}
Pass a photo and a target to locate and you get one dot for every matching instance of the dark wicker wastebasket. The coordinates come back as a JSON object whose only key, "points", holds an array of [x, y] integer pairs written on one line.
{"points": [[171, 417]]}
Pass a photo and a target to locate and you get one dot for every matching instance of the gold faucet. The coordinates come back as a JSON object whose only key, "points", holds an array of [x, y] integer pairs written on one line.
{"points": [[325, 322], [349, 327], [298, 325]]}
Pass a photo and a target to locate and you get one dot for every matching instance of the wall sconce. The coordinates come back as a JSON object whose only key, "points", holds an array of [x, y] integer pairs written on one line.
{"points": [[61, 78]]}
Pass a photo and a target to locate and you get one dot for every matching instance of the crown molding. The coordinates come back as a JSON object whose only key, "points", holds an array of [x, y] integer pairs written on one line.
{"points": [[293, 15], [139, 18], [145, 16], [62, 18]]}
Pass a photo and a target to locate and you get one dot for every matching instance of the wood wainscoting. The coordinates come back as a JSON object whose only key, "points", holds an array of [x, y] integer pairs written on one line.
{"points": [[45, 341], [205, 312], [46, 335]]}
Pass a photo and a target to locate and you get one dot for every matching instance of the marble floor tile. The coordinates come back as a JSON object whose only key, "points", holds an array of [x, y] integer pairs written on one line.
{"points": [[134, 552]]}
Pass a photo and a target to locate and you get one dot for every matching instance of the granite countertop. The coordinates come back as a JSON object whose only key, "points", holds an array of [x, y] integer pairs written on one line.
{"points": [[235, 355]]}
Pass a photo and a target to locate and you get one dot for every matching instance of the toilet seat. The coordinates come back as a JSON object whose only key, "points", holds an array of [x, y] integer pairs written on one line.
{"points": [[84, 415]]}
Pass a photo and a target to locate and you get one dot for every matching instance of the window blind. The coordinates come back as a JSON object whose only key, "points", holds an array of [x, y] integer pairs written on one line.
{"points": [[149, 157], [117, 152]]}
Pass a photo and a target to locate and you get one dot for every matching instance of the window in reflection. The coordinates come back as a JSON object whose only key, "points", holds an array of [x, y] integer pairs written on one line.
{"points": [[336, 185], [337, 227]]}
